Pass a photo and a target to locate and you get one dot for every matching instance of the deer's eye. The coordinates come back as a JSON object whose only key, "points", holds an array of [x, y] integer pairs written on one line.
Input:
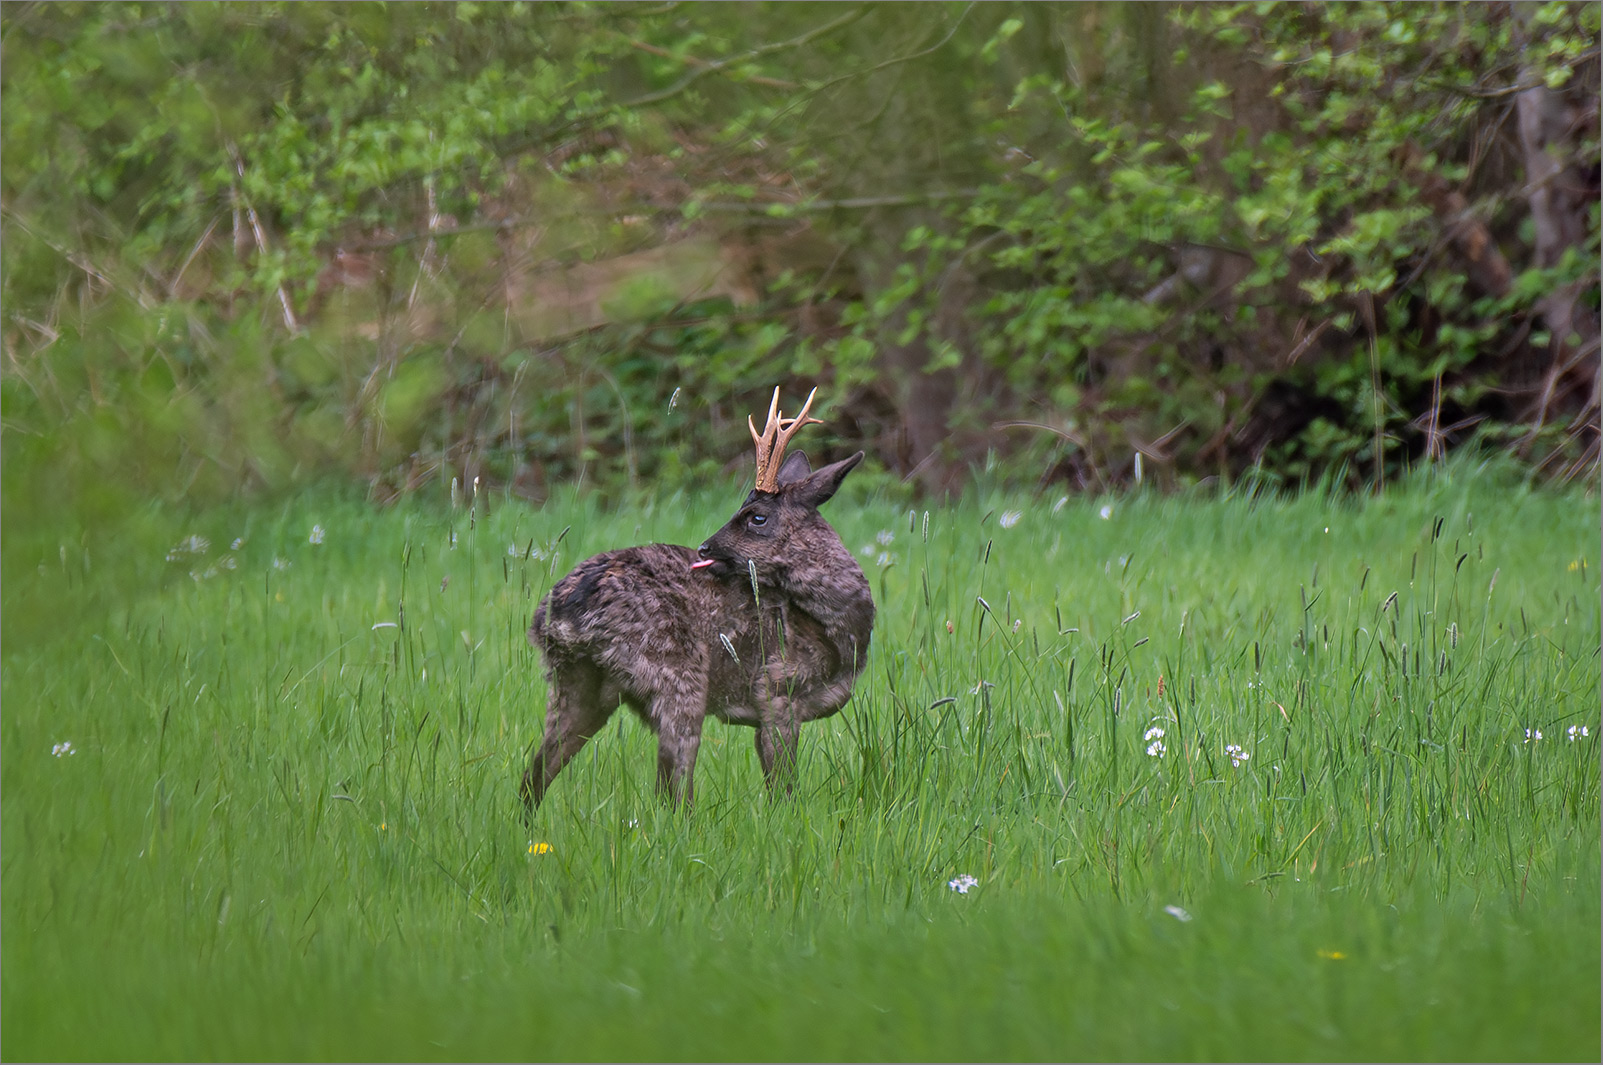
{"points": [[758, 520]]}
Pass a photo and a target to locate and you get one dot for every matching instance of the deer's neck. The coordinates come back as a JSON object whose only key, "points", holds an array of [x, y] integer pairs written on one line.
{"points": [[828, 584]]}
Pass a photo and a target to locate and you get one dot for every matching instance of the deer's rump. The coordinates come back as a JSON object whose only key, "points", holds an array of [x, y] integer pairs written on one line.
{"points": [[645, 598]]}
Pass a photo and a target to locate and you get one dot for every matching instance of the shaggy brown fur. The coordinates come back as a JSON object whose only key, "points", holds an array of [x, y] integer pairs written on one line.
{"points": [[766, 624]]}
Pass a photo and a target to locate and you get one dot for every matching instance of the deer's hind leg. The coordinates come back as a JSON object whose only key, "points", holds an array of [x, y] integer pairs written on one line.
{"points": [[576, 712]]}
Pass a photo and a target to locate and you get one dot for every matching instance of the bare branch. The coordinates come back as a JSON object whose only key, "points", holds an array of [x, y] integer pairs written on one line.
{"points": [[745, 57], [290, 322], [895, 60], [697, 61], [80, 260], [172, 286], [852, 203]]}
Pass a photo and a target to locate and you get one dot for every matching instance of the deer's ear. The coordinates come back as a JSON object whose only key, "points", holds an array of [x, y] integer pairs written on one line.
{"points": [[818, 487], [794, 468]]}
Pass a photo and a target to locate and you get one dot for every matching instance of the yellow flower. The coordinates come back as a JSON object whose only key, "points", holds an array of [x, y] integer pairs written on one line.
{"points": [[1574, 566], [1332, 955], [539, 848]]}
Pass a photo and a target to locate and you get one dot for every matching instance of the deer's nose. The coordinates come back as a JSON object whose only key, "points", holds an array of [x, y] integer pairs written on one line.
{"points": [[702, 550]]}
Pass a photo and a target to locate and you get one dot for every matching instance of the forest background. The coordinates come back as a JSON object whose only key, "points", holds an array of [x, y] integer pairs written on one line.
{"points": [[249, 246]]}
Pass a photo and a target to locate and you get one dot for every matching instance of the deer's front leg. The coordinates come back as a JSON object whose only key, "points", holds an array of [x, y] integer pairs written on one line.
{"points": [[825, 700], [776, 745]]}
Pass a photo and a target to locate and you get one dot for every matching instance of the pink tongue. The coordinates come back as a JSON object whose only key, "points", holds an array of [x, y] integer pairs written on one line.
{"points": [[703, 562]]}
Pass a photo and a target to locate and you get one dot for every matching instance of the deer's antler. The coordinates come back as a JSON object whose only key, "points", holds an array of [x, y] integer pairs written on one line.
{"points": [[775, 436]]}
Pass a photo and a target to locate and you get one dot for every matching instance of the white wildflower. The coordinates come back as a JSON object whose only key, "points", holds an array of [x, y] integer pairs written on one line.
{"points": [[867, 551], [1106, 511], [317, 535], [280, 563], [1576, 732], [62, 749], [1155, 748], [189, 545], [885, 559], [1533, 735], [1178, 913], [1237, 755], [962, 883], [239, 542], [1062, 502], [1009, 519], [885, 537]]}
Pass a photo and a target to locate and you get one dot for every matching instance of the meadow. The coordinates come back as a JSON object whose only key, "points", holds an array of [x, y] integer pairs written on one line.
{"points": [[1234, 775]]}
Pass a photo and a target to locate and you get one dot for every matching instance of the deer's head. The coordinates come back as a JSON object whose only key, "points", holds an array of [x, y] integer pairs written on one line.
{"points": [[778, 527]]}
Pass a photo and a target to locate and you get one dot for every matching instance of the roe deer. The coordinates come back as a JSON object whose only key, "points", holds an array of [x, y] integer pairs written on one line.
{"points": [[766, 624]]}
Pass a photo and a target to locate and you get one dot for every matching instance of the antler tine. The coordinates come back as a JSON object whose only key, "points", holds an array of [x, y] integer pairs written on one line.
{"points": [[776, 435], [786, 432], [765, 440], [773, 416]]}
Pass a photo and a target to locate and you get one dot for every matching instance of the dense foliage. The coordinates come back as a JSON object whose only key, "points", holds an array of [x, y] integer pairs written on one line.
{"points": [[245, 244]]}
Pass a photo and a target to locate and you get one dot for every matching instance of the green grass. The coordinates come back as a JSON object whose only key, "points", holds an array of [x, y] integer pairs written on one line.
{"points": [[290, 826]]}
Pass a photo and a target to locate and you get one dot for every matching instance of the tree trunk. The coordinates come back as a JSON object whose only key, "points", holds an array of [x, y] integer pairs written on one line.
{"points": [[1559, 197]]}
